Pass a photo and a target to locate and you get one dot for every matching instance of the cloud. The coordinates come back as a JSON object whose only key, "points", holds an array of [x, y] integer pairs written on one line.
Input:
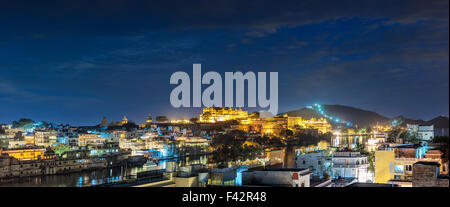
{"points": [[113, 17], [11, 93]]}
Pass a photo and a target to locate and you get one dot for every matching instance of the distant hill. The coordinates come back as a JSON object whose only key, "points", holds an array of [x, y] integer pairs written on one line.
{"points": [[360, 117], [364, 118], [439, 122], [406, 121], [304, 112]]}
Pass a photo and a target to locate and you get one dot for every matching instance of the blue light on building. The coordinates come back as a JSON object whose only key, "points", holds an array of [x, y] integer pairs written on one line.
{"points": [[238, 180]]}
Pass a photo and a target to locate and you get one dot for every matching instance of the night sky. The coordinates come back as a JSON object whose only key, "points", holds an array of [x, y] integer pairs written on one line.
{"points": [[76, 61]]}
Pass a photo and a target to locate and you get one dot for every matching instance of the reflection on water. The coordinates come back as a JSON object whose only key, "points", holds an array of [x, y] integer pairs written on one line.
{"points": [[97, 177], [103, 176], [348, 141]]}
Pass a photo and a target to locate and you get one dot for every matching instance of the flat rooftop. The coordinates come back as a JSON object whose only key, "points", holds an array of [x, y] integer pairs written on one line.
{"points": [[280, 169], [359, 185]]}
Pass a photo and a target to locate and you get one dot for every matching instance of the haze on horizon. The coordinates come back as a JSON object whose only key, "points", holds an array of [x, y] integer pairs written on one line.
{"points": [[77, 61]]}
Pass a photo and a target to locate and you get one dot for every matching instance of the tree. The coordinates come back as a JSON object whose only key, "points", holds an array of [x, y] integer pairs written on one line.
{"points": [[326, 175], [410, 137], [60, 149], [194, 120], [360, 147], [22, 122], [371, 160], [230, 147], [287, 133], [222, 140], [232, 138], [130, 125], [161, 119]]}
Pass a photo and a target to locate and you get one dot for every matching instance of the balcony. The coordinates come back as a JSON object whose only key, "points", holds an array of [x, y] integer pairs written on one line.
{"points": [[414, 160], [350, 166]]}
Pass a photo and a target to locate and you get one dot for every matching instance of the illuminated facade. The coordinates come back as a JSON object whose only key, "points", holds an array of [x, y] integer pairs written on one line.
{"points": [[149, 119], [384, 166], [45, 138], [321, 124], [90, 139], [26, 154], [214, 114], [265, 126], [422, 132], [396, 163], [273, 126], [351, 165], [124, 120]]}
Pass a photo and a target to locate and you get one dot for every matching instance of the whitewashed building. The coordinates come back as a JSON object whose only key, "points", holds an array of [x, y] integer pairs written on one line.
{"points": [[318, 163], [422, 132], [287, 177], [351, 165]]}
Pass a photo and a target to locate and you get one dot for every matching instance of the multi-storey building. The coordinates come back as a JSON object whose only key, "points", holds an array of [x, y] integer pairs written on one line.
{"points": [[45, 138], [351, 165], [90, 139], [26, 153], [318, 163], [395, 163], [320, 124], [214, 114], [426, 174], [287, 177], [422, 132]]}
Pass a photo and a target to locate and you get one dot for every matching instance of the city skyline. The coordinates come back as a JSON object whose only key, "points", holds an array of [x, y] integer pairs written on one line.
{"points": [[76, 62]]}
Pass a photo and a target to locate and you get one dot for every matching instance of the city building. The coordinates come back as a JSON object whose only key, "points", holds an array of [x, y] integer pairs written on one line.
{"points": [[214, 114], [319, 163], [351, 164], [90, 139], [221, 177], [394, 163], [426, 174], [124, 120], [371, 185], [384, 165], [281, 177], [4, 141], [45, 138], [422, 132], [320, 124], [26, 153]]}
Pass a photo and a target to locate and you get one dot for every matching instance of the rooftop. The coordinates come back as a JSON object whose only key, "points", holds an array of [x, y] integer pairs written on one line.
{"points": [[427, 163], [281, 169], [372, 185]]}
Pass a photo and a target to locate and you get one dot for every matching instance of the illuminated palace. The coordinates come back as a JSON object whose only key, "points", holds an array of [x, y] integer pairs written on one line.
{"points": [[320, 124], [215, 114], [262, 126], [27, 153]]}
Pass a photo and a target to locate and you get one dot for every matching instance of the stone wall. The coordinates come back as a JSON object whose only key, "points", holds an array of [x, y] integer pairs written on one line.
{"points": [[426, 175]]}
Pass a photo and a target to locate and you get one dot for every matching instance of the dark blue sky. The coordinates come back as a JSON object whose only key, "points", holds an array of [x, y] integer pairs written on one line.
{"points": [[76, 61]]}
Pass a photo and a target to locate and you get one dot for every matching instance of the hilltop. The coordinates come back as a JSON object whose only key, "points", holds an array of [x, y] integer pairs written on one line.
{"points": [[361, 117]]}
